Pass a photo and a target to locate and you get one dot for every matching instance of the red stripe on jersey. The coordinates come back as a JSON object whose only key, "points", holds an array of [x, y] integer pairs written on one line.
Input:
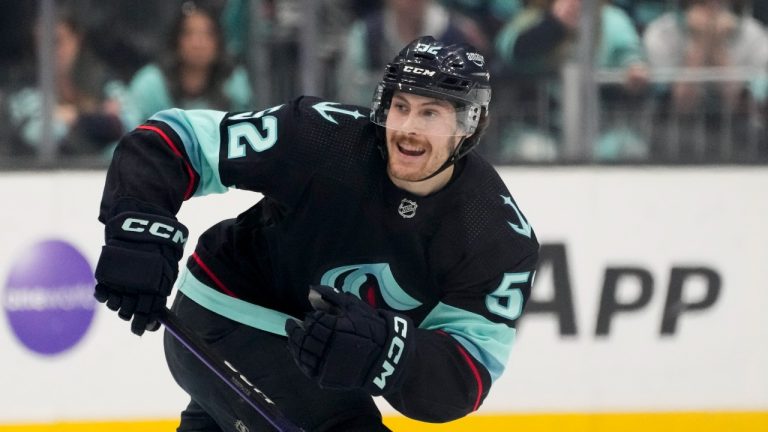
{"points": [[472, 367], [190, 171], [370, 297], [212, 276]]}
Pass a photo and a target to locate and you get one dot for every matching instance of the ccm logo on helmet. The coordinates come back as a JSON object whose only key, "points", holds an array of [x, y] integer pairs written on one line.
{"points": [[418, 71], [395, 351], [156, 229]]}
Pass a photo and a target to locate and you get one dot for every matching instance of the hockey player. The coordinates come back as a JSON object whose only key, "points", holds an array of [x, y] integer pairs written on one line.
{"points": [[420, 255]]}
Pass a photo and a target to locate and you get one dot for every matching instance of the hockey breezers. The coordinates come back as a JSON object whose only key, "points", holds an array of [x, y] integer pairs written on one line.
{"points": [[228, 374]]}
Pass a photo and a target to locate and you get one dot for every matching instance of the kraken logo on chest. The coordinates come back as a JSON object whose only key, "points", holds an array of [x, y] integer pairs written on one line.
{"points": [[365, 280]]}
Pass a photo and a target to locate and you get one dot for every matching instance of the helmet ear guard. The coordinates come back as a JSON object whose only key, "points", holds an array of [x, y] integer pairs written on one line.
{"points": [[473, 140]]}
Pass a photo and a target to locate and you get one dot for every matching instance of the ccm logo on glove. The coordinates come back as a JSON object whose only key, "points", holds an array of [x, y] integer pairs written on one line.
{"points": [[157, 229], [345, 343], [396, 348]]}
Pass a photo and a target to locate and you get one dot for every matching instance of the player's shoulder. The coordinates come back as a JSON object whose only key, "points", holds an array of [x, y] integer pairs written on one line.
{"points": [[308, 112], [486, 205], [327, 135], [329, 112]]}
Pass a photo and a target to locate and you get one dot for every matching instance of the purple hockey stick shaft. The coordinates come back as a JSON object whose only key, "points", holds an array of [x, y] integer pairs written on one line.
{"points": [[228, 374]]}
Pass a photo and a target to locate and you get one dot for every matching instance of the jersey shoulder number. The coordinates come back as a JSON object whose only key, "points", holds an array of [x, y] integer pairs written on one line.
{"points": [[507, 300], [257, 130]]}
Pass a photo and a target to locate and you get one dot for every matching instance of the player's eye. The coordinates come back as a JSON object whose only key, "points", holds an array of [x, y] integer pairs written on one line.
{"points": [[430, 114]]}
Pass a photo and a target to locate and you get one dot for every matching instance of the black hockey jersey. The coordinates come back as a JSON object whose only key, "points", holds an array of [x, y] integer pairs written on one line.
{"points": [[459, 262]]}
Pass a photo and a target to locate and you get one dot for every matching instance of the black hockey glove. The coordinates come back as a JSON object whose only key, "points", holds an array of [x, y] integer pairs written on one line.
{"points": [[347, 344], [138, 266]]}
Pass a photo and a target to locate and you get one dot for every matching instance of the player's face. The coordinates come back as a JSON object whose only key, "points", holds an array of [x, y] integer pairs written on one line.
{"points": [[421, 135]]}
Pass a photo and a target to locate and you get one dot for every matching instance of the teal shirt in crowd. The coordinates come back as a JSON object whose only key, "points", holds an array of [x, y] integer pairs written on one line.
{"points": [[499, 9], [25, 110], [619, 46], [149, 93]]}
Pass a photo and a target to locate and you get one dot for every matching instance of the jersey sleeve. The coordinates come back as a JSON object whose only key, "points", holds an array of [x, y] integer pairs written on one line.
{"points": [[464, 343], [462, 347], [178, 154]]}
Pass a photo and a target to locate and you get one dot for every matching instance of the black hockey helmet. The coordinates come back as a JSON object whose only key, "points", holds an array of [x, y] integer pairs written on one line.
{"points": [[456, 73]]}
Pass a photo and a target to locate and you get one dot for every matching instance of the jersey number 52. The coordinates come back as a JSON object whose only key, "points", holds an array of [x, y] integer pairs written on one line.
{"points": [[247, 131]]}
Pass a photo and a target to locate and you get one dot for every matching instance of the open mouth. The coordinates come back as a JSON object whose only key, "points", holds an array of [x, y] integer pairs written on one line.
{"points": [[410, 150]]}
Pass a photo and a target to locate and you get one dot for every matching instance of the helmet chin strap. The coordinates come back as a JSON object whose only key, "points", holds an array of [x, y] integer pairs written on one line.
{"points": [[450, 161]]}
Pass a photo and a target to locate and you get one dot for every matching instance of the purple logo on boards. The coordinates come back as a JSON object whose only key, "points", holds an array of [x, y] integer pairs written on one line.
{"points": [[49, 297]]}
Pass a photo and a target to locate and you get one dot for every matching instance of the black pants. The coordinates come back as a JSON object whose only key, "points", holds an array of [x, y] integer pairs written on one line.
{"points": [[264, 359]]}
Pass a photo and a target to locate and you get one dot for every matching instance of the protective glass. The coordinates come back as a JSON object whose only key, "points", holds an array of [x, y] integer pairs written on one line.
{"points": [[429, 114]]}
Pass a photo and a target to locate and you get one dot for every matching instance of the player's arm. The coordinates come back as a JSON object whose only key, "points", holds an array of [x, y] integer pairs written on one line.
{"points": [[175, 155], [439, 371], [150, 175], [150, 172], [462, 347], [178, 154]]}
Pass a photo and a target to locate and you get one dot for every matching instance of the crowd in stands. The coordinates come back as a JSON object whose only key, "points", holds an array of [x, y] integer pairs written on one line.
{"points": [[689, 76]]}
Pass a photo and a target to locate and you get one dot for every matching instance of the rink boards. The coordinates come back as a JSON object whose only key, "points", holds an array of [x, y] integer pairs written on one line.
{"points": [[648, 309]]}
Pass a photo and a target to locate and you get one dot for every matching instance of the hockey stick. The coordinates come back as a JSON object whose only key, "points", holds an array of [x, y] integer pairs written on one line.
{"points": [[224, 370]]}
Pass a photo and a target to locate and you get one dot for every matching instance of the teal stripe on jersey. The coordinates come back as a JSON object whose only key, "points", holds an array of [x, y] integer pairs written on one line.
{"points": [[488, 342], [235, 309], [199, 132]]}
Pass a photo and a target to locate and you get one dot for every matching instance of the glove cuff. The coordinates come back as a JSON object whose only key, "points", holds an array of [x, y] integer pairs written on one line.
{"points": [[147, 228], [387, 373]]}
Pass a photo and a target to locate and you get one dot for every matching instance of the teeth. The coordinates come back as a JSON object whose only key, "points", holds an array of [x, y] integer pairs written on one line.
{"points": [[410, 148], [411, 152]]}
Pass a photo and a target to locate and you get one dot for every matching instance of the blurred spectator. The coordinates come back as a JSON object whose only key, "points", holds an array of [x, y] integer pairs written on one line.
{"points": [[643, 12], [490, 14], [87, 115], [267, 36], [16, 44], [760, 11], [543, 35], [531, 50], [374, 40], [17, 63], [235, 22], [361, 9], [709, 33], [196, 72], [125, 37]]}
